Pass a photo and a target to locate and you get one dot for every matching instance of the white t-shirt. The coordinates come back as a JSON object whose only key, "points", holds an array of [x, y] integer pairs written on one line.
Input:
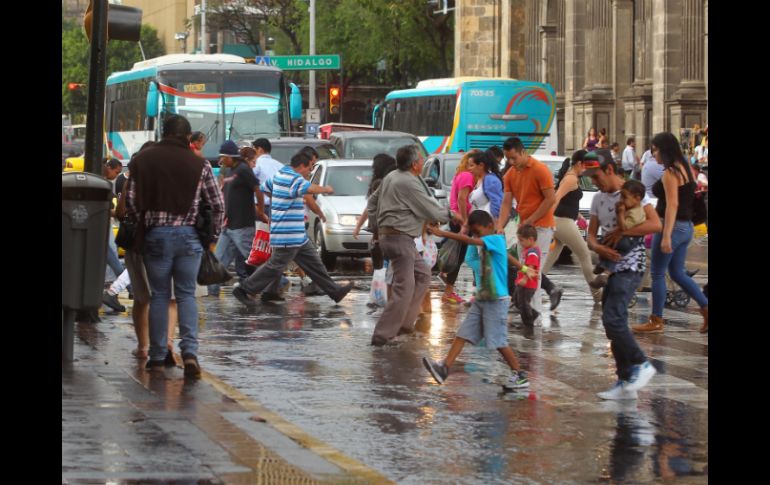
{"points": [[479, 200], [266, 167], [629, 158], [603, 207]]}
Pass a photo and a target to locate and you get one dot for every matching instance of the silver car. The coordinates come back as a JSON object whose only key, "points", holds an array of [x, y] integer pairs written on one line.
{"points": [[350, 179]]}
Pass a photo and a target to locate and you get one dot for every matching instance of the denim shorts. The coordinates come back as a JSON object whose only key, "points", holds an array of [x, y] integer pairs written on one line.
{"points": [[487, 320]]}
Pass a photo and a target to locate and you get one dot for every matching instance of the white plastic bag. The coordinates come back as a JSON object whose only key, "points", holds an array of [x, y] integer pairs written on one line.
{"points": [[378, 293]]}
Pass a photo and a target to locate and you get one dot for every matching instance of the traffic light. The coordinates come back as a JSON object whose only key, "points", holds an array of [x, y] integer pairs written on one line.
{"points": [[334, 99], [75, 86], [123, 22]]}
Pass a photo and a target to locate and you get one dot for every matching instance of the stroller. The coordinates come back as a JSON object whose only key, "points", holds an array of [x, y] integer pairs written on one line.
{"points": [[675, 295]]}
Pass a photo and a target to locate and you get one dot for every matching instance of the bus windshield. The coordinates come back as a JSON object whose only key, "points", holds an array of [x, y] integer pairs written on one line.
{"points": [[227, 104]]}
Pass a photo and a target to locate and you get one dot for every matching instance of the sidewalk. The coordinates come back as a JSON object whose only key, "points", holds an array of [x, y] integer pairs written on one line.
{"points": [[121, 423]]}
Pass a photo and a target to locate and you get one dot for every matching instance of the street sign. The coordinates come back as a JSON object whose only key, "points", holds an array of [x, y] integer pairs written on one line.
{"points": [[297, 63], [311, 128], [262, 61], [313, 115]]}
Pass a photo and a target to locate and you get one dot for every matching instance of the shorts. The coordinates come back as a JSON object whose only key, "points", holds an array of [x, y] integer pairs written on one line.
{"points": [[138, 276], [487, 320]]}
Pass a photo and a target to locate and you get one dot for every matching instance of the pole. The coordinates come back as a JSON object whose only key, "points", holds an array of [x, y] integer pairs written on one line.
{"points": [[204, 43], [96, 87], [312, 101], [342, 87]]}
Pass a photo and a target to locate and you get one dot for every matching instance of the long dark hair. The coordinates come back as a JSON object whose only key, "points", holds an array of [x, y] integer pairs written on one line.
{"points": [[669, 152], [490, 164], [382, 165], [577, 157]]}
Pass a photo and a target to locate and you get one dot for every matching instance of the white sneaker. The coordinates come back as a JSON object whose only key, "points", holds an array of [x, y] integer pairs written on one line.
{"points": [[618, 392], [640, 376]]}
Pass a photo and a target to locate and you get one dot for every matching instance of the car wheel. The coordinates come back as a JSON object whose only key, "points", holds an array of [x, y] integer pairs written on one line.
{"points": [[328, 259]]}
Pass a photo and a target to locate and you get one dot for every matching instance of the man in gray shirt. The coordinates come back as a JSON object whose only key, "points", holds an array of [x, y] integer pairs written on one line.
{"points": [[401, 206]]}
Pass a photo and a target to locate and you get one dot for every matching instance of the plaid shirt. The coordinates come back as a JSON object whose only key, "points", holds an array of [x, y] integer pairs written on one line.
{"points": [[207, 187]]}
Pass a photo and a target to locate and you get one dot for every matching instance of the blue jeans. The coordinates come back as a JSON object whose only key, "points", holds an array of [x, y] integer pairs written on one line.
{"points": [[113, 262], [680, 240], [172, 251], [615, 299], [234, 245]]}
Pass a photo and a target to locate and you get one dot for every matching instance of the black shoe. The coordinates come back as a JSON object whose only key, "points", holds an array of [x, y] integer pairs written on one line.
{"points": [[405, 331], [343, 292], [270, 297], [243, 297], [555, 295], [155, 365], [169, 361], [191, 366], [112, 302], [439, 371]]}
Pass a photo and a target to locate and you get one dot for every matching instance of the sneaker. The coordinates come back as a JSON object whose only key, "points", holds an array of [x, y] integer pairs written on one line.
{"points": [[243, 297], [154, 365], [555, 296], [169, 361], [439, 371], [191, 366], [112, 302], [452, 298], [599, 282], [343, 292], [518, 380], [640, 376], [618, 392], [271, 297]]}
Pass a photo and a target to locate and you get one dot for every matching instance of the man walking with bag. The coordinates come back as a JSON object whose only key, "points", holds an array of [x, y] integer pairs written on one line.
{"points": [[168, 182], [401, 205], [240, 212]]}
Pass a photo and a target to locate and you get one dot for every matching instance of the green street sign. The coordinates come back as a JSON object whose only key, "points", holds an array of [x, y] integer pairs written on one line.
{"points": [[303, 63]]}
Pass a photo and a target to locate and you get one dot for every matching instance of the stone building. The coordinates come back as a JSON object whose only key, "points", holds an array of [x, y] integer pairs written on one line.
{"points": [[634, 67]]}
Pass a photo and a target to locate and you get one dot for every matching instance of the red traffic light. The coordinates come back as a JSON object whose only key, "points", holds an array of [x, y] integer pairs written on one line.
{"points": [[75, 86]]}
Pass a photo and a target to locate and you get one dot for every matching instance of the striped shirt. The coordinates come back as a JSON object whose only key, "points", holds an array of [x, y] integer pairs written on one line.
{"points": [[287, 211]]}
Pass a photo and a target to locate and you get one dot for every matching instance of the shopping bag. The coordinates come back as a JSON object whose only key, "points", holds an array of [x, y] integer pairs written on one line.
{"points": [[260, 247], [378, 294], [449, 256], [430, 252], [211, 271]]}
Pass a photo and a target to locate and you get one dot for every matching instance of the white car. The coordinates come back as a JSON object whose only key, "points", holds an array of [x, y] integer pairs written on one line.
{"points": [[350, 180]]}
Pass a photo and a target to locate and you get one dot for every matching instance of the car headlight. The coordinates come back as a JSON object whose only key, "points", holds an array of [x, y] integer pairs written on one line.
{"points": [[348, 220]]}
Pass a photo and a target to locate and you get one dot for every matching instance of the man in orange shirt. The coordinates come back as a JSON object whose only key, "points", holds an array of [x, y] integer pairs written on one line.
{"points": [[531, 184]]}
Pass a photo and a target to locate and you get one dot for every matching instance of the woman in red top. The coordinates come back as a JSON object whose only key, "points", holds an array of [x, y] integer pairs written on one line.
{"points": [[197, 140]]}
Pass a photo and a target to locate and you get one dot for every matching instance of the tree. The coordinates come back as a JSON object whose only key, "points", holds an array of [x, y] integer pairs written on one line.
{"points": [[121, 56]]}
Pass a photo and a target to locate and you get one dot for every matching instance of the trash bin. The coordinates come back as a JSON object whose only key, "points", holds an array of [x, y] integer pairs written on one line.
{"points": [[85, 210]]}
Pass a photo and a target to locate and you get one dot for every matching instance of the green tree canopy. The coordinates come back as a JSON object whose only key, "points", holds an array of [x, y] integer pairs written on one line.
{"points": [[121, 56]]}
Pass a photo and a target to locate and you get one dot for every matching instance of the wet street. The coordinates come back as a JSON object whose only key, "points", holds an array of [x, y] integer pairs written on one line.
{"points": [[310, 362]]}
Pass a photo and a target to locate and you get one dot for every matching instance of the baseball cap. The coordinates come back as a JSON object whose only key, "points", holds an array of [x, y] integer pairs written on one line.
{"points": [[229, 149], [598, 160]]}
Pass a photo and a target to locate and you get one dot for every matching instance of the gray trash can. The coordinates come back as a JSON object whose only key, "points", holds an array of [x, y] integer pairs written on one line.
{"points": [[85, 210]]}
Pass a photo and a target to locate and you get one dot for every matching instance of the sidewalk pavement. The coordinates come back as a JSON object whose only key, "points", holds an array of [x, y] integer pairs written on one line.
{"points": [[122, 424]]}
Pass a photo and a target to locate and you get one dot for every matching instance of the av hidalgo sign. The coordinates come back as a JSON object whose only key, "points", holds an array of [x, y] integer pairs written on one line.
{"points": [[297, 63]]}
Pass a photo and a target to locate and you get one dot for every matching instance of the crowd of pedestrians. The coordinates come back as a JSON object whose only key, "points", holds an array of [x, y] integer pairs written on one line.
{"points": [[505, 221]]}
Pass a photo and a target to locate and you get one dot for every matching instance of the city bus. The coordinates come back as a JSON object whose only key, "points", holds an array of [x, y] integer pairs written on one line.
{"points": [[459, 114], [220, 94]]}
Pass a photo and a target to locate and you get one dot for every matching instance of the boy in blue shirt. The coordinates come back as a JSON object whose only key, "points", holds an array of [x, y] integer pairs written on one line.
{"points": [[488, 316]]}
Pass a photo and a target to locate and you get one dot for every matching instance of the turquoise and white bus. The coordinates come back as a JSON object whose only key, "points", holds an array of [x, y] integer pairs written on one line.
{"points": [[459, 114], [220, 94]]}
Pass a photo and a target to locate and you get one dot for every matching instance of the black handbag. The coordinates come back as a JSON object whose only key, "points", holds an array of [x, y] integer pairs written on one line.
{"points": [[211, 271], [204, 223], [126, 234]]}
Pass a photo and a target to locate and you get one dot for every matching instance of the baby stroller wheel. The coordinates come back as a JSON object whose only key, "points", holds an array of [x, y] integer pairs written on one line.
{"points": [[669, 297]]}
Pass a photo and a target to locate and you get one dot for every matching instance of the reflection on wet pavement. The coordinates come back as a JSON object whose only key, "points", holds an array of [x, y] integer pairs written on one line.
{"points": [[309, 361]]}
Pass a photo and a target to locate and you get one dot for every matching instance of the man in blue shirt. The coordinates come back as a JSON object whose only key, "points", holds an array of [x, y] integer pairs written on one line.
{"points": [[288, 240]]}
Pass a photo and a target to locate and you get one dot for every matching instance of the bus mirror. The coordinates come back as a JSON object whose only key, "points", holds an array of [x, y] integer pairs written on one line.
{"points": [[375, 112], [152, 100], [295, 103]]}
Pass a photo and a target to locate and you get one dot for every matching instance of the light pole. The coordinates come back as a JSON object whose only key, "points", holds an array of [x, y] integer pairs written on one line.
{"points": [[204, 42], [312, 101], [183, 37]]}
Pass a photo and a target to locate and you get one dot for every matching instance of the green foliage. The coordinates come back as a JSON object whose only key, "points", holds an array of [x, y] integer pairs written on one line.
{"points": [[121, 56]]}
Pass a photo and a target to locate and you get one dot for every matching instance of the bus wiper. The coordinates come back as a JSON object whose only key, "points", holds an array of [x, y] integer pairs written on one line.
{"points": [[232, 120], [211, 130]]}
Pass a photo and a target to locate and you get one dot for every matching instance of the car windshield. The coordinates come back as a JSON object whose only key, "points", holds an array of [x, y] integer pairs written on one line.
{"points": [[284, 152], [347, 181], [369, 147], [450, 166]]}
